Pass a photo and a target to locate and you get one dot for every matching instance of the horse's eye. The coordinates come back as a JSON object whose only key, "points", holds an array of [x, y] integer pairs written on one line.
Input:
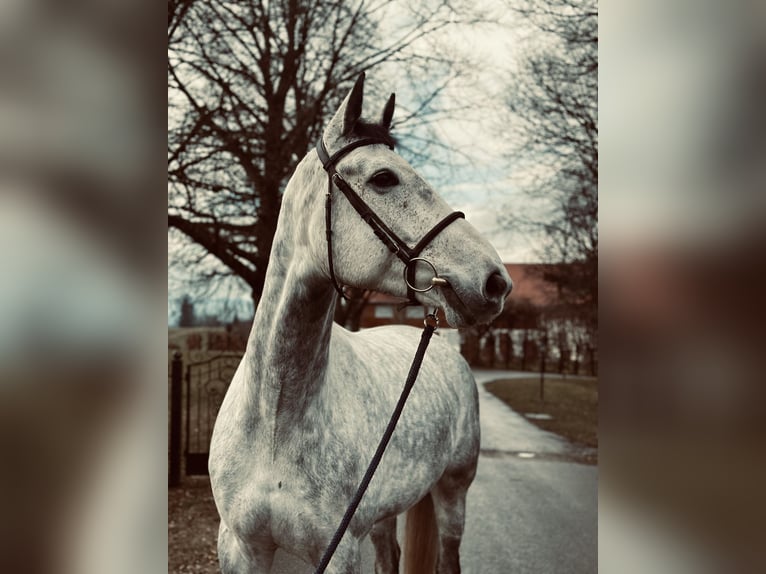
{"points": [[384, 178]]}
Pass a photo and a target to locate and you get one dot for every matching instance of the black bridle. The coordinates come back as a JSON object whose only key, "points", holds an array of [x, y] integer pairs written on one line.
{"points": [[408, 255]]}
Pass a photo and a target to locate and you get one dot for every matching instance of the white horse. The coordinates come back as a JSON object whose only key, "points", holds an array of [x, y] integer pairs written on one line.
{"points": [[310, 400]]}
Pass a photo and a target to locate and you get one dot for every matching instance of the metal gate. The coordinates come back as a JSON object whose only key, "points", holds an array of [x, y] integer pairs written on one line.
{"points": [[206, 384]]}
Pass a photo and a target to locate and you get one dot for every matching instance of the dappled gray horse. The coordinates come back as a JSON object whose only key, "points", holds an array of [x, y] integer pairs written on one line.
{"points": [[310, 400]]}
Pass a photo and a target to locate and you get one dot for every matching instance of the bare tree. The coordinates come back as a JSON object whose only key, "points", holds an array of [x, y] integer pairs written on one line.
{"points": [[553, 102], [348, 312], [251, 83]]}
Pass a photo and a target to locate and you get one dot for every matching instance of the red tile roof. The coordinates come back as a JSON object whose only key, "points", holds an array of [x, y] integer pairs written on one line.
{"points": [[529, 284]]}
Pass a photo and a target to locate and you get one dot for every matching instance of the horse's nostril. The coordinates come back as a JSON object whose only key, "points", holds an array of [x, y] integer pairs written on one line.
{"points": [[496, 286]]}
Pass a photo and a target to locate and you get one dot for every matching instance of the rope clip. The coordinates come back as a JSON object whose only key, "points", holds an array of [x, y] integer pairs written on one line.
{"points": [[431, 320]]}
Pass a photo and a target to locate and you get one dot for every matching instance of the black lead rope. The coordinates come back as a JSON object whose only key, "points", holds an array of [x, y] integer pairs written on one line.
{"points": [[431, 322], [409, 256]]}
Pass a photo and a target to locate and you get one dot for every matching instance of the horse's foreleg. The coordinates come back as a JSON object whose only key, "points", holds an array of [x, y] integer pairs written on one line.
{"points": [[234, 558], [387, 553], [449, 507]]}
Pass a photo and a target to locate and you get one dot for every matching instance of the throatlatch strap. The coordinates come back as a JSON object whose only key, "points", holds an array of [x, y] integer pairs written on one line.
{"points": [[328, 232]]}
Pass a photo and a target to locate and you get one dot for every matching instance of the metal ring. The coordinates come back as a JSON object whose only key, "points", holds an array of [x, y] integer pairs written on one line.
{"points": [[407, 267], [431, 320]]}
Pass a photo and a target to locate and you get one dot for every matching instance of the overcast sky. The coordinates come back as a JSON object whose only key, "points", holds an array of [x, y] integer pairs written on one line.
{"points": [[481, 183], [479, 180]]}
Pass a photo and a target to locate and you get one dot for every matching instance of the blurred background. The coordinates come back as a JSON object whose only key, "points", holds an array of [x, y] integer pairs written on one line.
{"points": [[495, 106], [82, 246], [682, 276]]}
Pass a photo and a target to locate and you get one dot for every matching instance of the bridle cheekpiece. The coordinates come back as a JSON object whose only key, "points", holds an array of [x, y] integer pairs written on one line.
{"points": [[408, 255]]}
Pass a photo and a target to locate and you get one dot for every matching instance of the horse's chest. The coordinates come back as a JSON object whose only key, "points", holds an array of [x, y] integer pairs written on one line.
{"points": [[302, 493]]}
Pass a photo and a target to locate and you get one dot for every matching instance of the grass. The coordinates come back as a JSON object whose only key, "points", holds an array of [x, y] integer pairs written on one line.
{"points": [[572, 403]]}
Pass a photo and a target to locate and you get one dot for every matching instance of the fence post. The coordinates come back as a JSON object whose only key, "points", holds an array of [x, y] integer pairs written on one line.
{"points": [[542, 366], [176, 386]]}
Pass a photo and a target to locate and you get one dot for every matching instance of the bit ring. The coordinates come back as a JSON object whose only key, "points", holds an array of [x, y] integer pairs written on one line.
{"points": [[435, 280]]}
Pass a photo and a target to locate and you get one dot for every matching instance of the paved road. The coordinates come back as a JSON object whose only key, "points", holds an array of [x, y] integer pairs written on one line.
{"points": [[531, 510]]}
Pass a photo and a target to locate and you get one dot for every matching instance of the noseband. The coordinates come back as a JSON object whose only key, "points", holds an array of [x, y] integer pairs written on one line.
{"points": [[409, 256]]}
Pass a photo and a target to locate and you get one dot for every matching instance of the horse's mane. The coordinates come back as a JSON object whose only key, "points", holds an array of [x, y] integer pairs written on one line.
{"points": [[364, 129]]}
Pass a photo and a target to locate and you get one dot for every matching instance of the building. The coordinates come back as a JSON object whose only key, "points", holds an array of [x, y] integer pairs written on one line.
{"points": [[531, 327], [528, 286]]}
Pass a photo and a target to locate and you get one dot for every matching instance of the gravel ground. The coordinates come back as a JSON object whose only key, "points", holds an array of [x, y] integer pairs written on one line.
{"points": [[192, 528], [532, 516]]}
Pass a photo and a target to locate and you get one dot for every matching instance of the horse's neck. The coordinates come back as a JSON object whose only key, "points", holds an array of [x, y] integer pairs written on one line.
{"points": [[288, 349]]}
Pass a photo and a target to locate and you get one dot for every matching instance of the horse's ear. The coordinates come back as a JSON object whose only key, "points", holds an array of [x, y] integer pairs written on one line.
{"points": [[388, 112], [353, 106]]}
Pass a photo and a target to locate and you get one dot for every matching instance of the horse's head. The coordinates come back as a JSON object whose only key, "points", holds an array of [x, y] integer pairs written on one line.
{"points": [[404, 206]]}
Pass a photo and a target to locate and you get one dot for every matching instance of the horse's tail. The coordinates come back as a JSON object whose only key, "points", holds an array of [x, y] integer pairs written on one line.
{"points": [[421, 541]]}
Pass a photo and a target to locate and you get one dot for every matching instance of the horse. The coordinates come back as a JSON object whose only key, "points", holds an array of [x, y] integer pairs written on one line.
{"points": [[309, 400]]}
